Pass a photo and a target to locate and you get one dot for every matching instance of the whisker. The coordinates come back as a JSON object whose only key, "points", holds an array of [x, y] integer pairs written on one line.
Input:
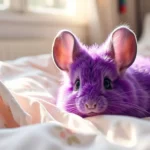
{"points": [[68, 104], [140, 111], [139, 96], [126, 92], [72, 107], [72, 110], [133, 106], [120, 95], [129, 104]]}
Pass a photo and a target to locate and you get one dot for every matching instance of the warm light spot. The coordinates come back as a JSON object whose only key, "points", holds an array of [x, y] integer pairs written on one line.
{"points": [[123, 134], [48, 6], [7, 115]]}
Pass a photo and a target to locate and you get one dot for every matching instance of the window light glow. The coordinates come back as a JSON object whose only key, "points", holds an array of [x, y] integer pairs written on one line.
{"points": [[50, 6]]}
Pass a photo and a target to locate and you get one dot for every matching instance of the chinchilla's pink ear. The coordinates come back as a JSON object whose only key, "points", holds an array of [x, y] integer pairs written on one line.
{"points": [[123, 45], [65, 48]]}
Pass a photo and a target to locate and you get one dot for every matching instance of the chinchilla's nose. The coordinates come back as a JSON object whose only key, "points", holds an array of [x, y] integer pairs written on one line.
{"points": [[90, 105]]}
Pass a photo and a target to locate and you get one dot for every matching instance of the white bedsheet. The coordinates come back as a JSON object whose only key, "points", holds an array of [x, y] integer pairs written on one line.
{"points": [[29, 119]]}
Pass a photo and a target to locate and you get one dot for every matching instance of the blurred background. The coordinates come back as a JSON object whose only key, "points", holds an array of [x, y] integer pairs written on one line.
{"points": [[28, 27]]}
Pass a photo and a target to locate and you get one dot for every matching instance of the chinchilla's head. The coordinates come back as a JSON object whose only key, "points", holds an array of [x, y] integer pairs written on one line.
{"points": [[95, 76]]}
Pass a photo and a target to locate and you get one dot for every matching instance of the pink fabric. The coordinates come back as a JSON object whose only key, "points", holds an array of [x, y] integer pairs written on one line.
{"points": [[33, 82]]}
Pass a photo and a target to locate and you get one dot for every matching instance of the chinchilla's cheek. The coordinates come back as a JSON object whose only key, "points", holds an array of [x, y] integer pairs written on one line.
{"points": [[102, 104], [80, 104], [64, 100], [69, 102]]}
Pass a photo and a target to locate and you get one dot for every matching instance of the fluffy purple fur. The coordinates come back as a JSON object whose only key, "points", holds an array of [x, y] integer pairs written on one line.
{"points": [[130, 93]]}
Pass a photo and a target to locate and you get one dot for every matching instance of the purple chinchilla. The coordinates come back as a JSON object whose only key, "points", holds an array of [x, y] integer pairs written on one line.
{"points": [[104, 79]]}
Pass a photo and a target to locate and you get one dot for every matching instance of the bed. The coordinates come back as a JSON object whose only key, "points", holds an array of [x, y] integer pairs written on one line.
{"points": [[30, 120]]}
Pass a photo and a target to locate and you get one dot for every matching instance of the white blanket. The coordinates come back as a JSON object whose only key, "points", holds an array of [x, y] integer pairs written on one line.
{"points": [[29, 119]]}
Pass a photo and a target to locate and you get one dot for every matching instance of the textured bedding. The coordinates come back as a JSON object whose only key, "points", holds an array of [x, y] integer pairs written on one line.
{"points": [[29, 119]]}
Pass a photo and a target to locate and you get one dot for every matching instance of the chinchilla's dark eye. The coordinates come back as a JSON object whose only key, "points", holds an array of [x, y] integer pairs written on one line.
{"points": [[77, 85], [107, 84]]}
